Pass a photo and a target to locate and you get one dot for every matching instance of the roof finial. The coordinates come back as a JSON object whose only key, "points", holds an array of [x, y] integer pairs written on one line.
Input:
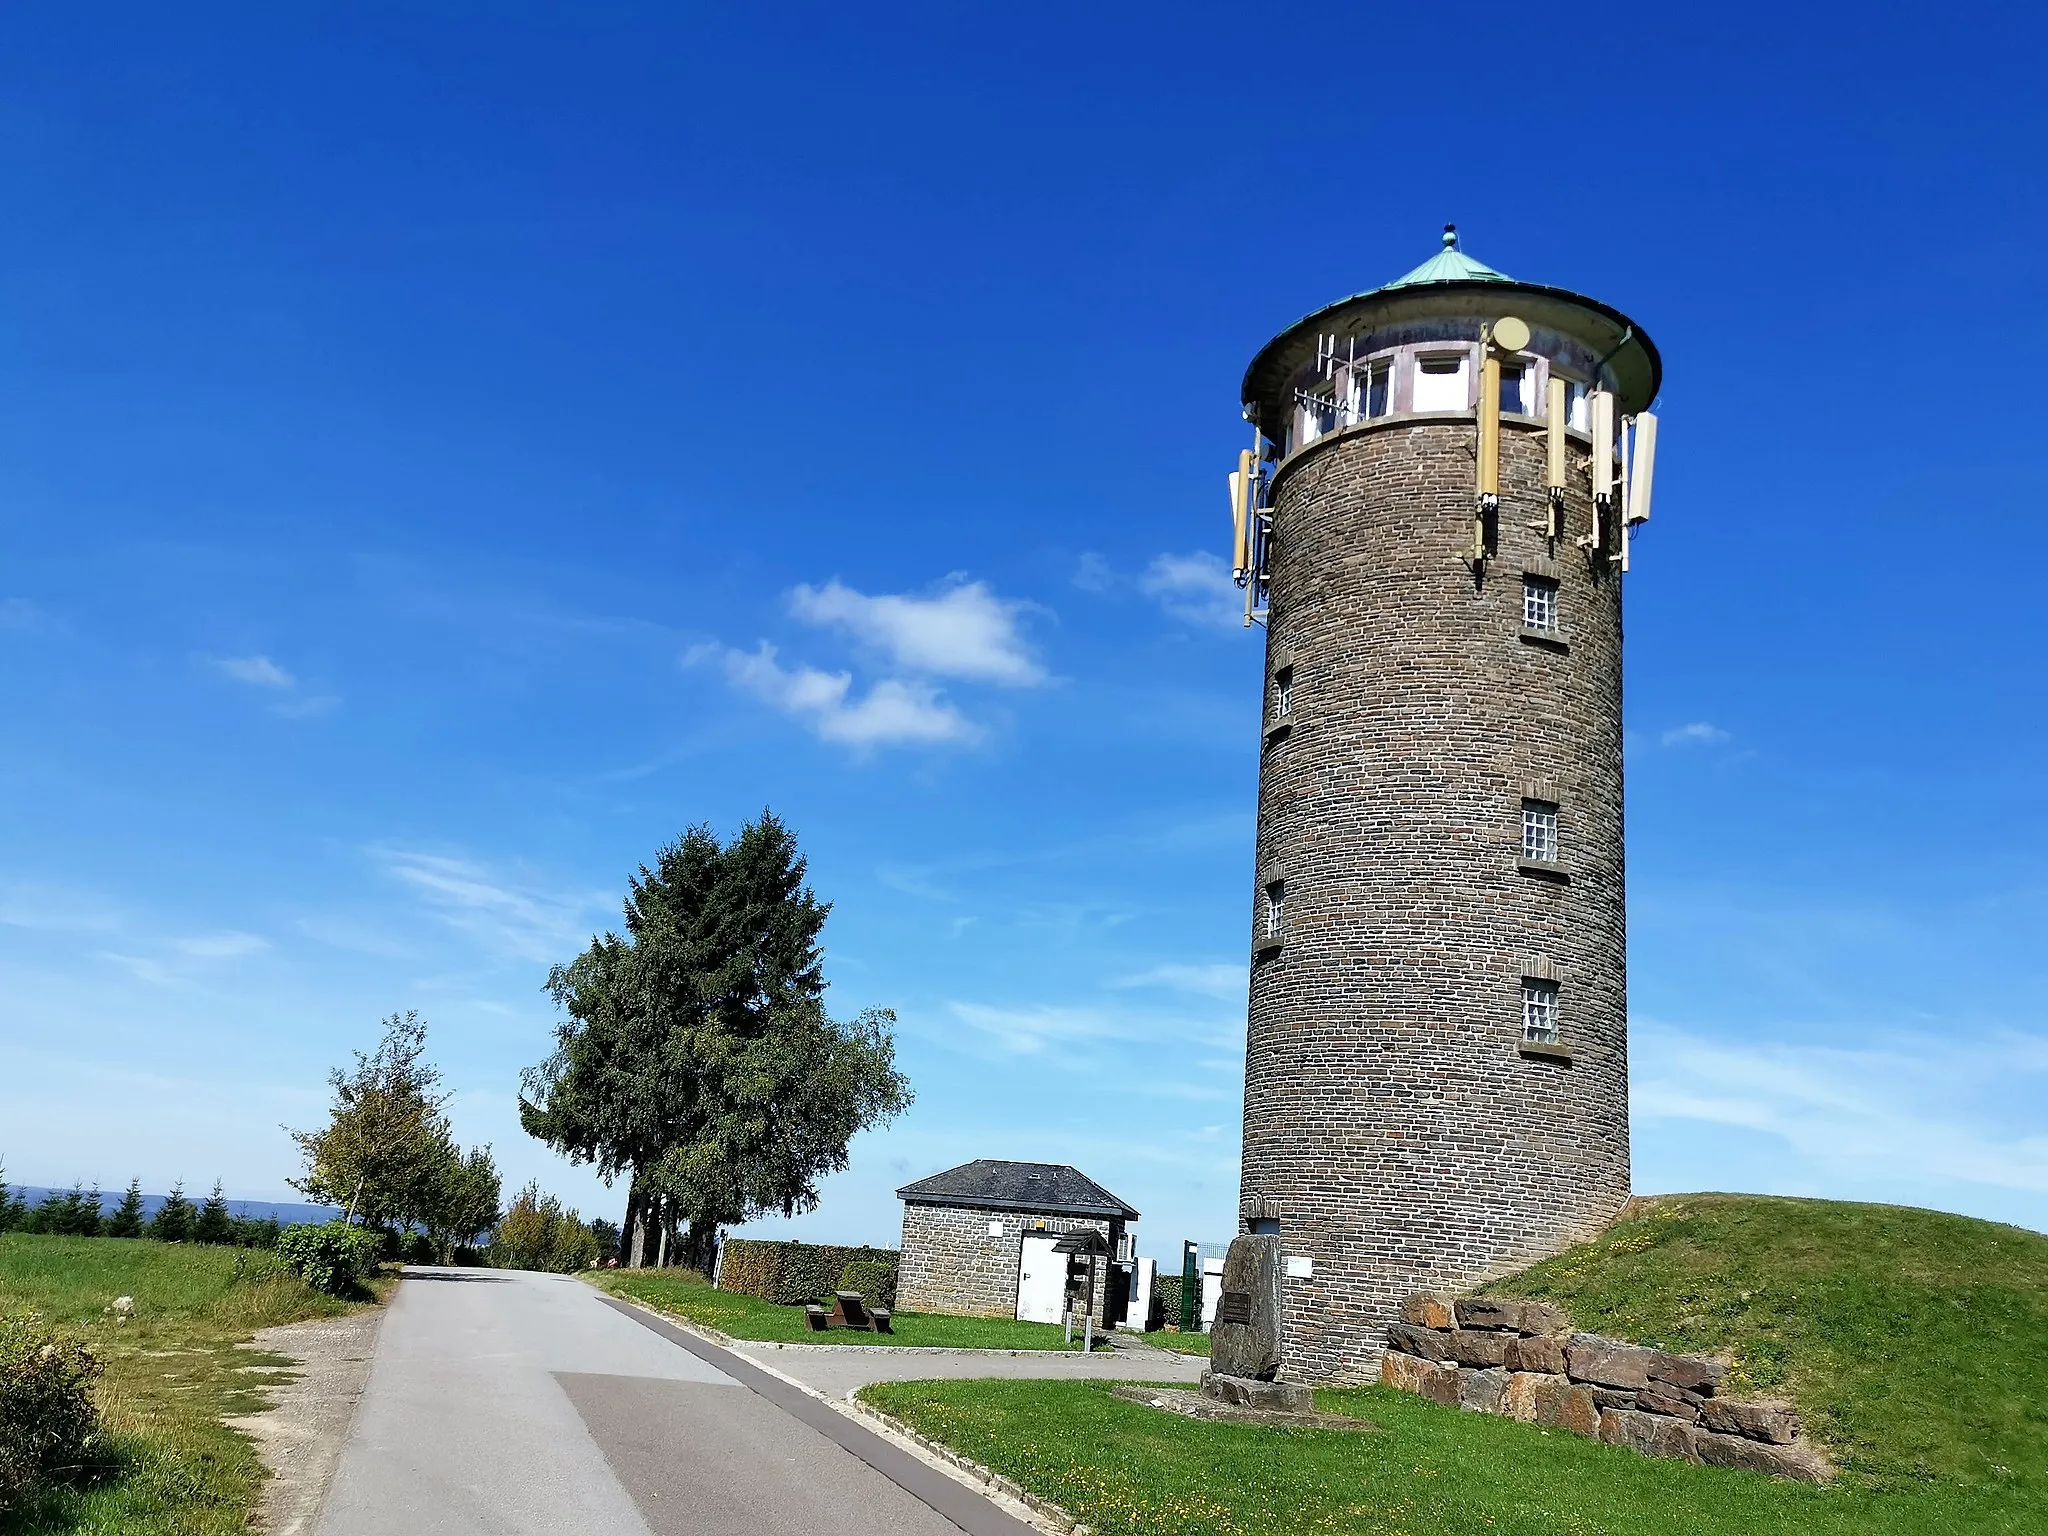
{"points": [[1450, 237]]}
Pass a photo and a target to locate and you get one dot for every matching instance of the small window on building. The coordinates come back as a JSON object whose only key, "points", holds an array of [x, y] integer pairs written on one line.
{"points": [[1515, 379], [1539, 1012], [1376, 393], [1318, 416], [1264, 1226], [1539, 603], [1276, 908], [1575, 408], [1441, 382], [1539, 831], [1283, 695]]}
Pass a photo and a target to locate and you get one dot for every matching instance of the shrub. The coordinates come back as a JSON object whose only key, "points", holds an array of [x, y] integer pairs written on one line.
{"points": [[335, 1259], [47, 1419], [875, 1279], [1165, 1302], [538, 1233], [790, 1274]]}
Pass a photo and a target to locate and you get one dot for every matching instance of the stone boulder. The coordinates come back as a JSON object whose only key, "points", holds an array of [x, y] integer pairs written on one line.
{"points": [[1608, 1362], [1424, 1342], [1563, 1405], [1669, 1401], [1425, 1378], [1508, 1314], [1651, 1434], [1482, 1391], [1801, 1462], [1245, 1338], [1427, 1310], [1474, 1346], [1544, 1355], [1689, 1373], [1267, 1396], [1526, 1391], [1772, 1423]]}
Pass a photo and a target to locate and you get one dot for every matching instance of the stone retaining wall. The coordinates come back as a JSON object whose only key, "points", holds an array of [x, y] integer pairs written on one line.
{"points": [[1521, 1359]]}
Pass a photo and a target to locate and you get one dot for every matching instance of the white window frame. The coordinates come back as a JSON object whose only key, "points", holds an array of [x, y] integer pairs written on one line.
{"points": [[1276, 908], [1463, 373], [1542, 1020], [1376, 370], [1525, 372], [1283, 695], [1577, 413], [1539, 603], [1539, 831]]}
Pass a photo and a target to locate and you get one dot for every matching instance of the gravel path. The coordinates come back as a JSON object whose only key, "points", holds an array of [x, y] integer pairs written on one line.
{"points": [[300, 1437]]}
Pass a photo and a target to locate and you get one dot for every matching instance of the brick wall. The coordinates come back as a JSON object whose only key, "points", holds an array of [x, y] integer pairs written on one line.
{"points": [[1391, 1122], [950, 1263]]}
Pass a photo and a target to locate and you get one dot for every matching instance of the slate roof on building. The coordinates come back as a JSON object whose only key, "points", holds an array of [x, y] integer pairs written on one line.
{"points": [[1054, 1189]]}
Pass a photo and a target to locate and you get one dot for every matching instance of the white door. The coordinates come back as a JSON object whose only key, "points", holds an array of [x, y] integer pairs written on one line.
{"points": [[1041, 1279]]}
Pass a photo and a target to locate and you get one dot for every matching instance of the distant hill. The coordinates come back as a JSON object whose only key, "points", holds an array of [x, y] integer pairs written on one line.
{"points": [[1914, 1342], [255, 1210]]}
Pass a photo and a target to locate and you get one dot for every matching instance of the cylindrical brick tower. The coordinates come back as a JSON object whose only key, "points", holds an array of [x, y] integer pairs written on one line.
{"points": [[1436, 518]]}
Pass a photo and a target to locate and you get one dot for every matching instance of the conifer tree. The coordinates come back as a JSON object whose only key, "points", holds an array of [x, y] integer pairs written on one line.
{"points": [[173, 1220], [214, 1225], [12, 1206], [698, 1057], [86, 1220], [127, 1218]]}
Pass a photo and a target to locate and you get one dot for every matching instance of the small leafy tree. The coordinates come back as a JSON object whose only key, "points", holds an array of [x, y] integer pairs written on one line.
{"points": [[467, 1206], [127, 1218], [538, 1233], [335, 1259], [383, 1153], [215, 1224], [47, 1419], [172, 1222]]}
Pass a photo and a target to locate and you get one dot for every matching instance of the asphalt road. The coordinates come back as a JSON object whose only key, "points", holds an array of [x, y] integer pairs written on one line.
{"points": [[511, 1404]]}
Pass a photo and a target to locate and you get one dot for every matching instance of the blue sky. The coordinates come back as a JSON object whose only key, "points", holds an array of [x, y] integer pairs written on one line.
{"points": [[444, 455]]}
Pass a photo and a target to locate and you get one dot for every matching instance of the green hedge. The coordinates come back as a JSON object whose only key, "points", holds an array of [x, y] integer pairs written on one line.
{"points": [[790, 1274], [875, 1279], [1165, 1302]]}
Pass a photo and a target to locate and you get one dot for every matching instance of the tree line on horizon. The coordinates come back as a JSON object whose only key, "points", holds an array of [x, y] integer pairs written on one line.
{"points": [[78, 1212]]}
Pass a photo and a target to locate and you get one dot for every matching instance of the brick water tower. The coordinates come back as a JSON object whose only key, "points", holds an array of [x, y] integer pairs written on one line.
{"points": [[1433, 524]]}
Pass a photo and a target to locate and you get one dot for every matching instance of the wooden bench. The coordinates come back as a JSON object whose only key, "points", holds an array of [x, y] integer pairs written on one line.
{"points": [[816, 1318]]}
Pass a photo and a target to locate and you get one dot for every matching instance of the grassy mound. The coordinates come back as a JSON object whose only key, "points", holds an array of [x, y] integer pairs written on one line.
{"points": [[1914, 1342], [174, 1371]]}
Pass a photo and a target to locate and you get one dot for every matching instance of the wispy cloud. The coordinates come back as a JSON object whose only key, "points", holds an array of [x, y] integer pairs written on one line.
{"points": [[894, 711], [509, 917], [256, 671], [1196, 588], [1227, 981], [43, 908], [1077, 1037], [1698, 734], [1903, 1110], [963, 630], [229, 945], [155, 972]]}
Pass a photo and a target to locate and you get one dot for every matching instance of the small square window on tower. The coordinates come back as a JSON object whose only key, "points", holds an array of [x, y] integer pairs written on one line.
{"points": [[1539, 831], [1441, 382], [1283, 695], [1539, 603], [1276, 908], [1575, 410], [1539, 1012], [1377, 392], [1515, 379]]}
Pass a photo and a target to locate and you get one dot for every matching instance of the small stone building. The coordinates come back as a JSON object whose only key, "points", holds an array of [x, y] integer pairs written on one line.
{"points": [[979, 1241]]}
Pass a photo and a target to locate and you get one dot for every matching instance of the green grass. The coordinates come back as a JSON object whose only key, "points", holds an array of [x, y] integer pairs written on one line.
{"points": [[1127, 1470], [1915, 1343], [690, 1296], [173, 1373], [1180, 1343]]}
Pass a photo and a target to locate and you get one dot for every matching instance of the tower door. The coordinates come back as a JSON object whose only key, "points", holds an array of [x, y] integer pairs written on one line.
{"points": [[1041, 1279]]}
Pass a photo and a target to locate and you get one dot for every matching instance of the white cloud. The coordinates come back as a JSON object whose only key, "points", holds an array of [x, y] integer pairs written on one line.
{"points": [[223, 946], [508, 917], [963, 631], [1903, 1113], [1092, 573], [893, 711], [257, 671], [145, 969], [1196, 588], [310, 708], [1698, 734], [44, 908], [1227, 981]]}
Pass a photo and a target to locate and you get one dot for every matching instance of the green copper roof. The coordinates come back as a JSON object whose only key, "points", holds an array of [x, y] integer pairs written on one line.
{"points": [[1450, 265]]}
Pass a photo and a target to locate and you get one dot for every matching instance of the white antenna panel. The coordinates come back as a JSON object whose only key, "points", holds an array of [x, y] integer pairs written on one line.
{"points": [[1601, 403], [1643, 464]]}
